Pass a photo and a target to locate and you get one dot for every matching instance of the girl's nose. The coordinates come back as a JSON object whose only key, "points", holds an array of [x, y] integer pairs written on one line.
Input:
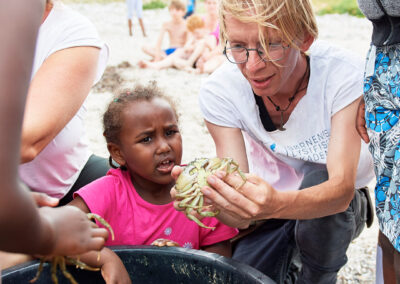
{"points": [[163, 146]]}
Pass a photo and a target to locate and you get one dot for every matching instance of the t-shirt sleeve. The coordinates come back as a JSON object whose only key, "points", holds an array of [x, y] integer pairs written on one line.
{"points": [[216, 102], [348, 87], [221, 232], [99, 196], [80, 31]]}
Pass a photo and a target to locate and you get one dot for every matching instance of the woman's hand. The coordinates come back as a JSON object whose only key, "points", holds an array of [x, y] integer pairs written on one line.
{"points": [[360, 121], [238, 207]]}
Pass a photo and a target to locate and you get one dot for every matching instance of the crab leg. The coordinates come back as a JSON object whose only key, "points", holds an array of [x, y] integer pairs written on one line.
{"points": [[186, 192], [80, 264], [40, 269], [198, 222], [64, 270], [93, 216], [54, 265]]}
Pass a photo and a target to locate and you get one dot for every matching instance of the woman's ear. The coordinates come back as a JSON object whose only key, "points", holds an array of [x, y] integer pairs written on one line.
{"points": [[306, 42], [116, 153]]}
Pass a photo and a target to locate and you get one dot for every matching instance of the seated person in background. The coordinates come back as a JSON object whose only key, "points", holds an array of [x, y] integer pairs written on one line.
{"points": [[200, 42], [69, 59], [143, 138], [176, 30], [210, 61]]}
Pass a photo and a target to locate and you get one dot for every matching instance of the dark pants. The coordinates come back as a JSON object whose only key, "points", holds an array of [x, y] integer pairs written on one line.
{"points": [[305, 251], [95, 168]]}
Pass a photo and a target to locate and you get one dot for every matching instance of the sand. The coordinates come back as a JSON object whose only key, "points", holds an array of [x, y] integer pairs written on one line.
{"points": [[110, 19]]}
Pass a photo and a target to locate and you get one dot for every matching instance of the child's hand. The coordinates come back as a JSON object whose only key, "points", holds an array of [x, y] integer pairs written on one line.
{"points": [[72, 233], [114, 272]]}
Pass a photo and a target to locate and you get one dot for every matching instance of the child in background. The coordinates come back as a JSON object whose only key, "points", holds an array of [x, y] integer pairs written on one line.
{"points": [[143, 138], [135, 5], [176, 30], [199, 44]]}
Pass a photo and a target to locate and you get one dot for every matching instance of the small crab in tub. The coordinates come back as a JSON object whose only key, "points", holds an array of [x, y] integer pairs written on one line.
{"points": [[194, 177]]}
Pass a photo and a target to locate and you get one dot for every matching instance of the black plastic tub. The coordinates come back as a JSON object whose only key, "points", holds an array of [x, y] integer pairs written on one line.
{"points": [[149, 264]]}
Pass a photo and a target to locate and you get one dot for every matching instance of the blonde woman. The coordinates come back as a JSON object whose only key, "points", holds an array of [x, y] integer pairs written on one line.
{"points": [[284, 108]]}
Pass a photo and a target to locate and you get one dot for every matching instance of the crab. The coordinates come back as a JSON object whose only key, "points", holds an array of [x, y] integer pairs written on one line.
{"points": [[193, 178], [62, 261]]}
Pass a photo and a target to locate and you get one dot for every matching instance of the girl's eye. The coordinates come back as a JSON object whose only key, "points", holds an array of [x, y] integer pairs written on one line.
{"points": [[171, 132], [146, 140]]}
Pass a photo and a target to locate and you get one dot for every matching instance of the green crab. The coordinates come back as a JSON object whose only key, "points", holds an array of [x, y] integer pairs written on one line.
{"points": [[194, 177], [62, 261]]}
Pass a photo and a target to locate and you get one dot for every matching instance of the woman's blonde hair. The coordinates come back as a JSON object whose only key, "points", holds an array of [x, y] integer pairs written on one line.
{"points": [[292, 19]]}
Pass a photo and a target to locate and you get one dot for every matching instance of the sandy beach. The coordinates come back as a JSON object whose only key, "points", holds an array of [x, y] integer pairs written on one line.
{"points": [[110, 19]]}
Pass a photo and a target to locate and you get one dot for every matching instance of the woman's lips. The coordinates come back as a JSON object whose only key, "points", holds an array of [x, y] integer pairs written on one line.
{"points": [[261, 83]]}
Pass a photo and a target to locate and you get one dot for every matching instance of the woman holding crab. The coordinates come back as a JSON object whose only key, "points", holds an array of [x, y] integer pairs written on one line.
{"points": [[284, 108]]}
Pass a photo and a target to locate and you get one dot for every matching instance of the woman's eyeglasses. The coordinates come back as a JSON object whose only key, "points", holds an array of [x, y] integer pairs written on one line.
{"points": [[240, 54]]}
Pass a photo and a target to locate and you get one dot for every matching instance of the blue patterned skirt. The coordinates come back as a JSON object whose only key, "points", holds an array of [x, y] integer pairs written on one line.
{"points": [[382, 104]]}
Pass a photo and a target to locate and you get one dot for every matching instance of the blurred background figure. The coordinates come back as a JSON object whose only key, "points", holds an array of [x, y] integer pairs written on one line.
{"points": [[137, 6], [176, 30], [190, 8]]}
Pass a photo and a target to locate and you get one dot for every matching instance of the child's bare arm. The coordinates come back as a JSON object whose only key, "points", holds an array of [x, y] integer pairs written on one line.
{"points": [[158, 50], [80, 203], [112, 268], [223, 248]]}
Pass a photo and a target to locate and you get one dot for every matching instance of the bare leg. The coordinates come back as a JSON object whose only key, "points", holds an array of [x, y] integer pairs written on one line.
{"points": [[130, 26], [212, 64], [142, 27], [165, 63], [187, 64], [196, 53], [149, 50]]}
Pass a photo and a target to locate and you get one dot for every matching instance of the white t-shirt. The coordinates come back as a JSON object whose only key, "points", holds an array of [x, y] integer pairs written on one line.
{"points": [[57, 167], [283, 157]]}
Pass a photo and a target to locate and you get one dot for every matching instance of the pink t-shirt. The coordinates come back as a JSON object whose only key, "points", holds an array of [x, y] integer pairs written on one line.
{"points": [[138, 222]]}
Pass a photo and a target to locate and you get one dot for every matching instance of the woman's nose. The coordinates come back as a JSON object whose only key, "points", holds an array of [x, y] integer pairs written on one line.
{"points": [[254, 61]]}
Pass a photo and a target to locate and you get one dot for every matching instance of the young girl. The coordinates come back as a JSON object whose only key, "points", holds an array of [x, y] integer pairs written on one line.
{"points": [[143, 138]]}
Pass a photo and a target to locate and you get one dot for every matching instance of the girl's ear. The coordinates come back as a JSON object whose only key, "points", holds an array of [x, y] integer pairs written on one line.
{"points": [[116, 153]]}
